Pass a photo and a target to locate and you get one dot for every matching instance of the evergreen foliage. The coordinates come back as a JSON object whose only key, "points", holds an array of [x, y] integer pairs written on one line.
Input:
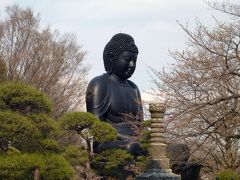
{"points": [[80, 121], [75, 155], [77, 121], [56, 167], [44, 124], [109, 162], [17, 130], [19, 166], [50, 145], [25, 126], [22, 166], [29, 138], [23, 98], [103, 132], [227, 174], [146, 135]]}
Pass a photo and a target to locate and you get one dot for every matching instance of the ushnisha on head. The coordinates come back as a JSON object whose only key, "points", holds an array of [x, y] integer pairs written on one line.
{"points": [[120, 56]]}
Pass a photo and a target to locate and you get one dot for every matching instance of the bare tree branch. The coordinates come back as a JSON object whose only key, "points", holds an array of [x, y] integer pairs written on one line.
{"points": [[202, 92], [43, 58]]}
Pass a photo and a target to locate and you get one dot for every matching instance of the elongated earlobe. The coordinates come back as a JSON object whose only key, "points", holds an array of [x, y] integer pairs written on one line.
{"points": [[109, 71], [109, 63]]}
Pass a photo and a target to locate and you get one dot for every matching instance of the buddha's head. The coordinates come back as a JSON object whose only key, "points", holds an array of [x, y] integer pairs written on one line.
{"points": [[120, 56]]}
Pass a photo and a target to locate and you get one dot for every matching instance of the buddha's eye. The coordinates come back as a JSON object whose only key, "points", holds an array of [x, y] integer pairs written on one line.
{"points": [[128, 58]]}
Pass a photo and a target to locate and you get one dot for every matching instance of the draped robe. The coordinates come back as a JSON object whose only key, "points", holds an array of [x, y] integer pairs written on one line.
{"points": [[112, 100]]}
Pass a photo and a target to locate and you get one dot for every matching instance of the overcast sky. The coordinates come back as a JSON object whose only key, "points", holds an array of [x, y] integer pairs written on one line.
{"points": [[152, 23]]}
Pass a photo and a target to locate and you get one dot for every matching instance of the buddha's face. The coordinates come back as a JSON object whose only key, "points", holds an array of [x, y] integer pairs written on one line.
{"points": [[124, 66]]}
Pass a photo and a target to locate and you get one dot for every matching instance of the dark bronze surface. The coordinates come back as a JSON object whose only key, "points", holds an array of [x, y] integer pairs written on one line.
{"points": [[112, 97]]}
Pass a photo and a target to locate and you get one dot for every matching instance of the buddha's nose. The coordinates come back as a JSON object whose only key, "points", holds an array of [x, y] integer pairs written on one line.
{"points": [[131, 63]]}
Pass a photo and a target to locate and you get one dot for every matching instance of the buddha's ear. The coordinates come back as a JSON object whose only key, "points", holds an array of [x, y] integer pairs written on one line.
{"points": [[109, 63], [110, 57]]}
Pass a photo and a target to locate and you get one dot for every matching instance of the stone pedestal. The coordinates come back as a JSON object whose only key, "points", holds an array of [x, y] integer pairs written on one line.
{"points": [[158, 167]]}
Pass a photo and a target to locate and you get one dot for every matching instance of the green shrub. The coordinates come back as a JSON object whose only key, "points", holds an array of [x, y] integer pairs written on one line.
{"points": [[75, 155], [145, 140], [21, 167], [17, 96], [114, 157], [227, 174], [44, 124], [17, 129], [103, 132], [147, 123], [140, 164], [56, 167], [108, 162], [50, 145], [77, 121]]}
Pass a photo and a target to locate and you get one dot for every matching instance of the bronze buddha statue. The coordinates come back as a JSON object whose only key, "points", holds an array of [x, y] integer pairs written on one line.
{"points": [[111, 96]]}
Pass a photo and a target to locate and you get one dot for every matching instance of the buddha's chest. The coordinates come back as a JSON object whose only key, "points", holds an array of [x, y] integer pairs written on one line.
{"points": [[124, 100]]}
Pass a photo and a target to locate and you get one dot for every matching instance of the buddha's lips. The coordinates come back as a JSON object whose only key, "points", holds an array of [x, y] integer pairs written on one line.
{"points": [[130, 71]]}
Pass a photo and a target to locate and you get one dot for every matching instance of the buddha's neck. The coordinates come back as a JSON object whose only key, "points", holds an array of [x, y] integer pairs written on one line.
{"points": [[116, 78]]}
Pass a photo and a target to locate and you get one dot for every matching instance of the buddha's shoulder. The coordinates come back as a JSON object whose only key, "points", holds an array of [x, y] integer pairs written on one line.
{"points": [[99, 82], [132, 84]]}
